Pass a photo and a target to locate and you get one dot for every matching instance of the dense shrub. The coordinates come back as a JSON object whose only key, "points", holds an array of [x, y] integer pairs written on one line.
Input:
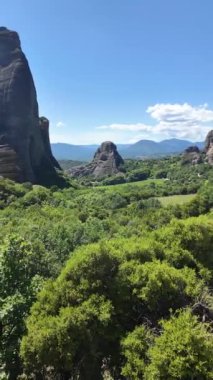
{"points": [[184, 350], [100, 315]]}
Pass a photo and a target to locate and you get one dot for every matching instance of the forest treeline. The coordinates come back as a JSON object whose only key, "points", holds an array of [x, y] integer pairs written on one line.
{"points": [[104, 282]]}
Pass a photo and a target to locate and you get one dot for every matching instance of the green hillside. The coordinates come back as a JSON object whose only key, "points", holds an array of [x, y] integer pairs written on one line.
{"points": [[95, 280]]}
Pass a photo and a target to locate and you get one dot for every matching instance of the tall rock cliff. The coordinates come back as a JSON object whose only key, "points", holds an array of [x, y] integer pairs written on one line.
{"points": [[25, 153], [209, 147], [106, 162]]}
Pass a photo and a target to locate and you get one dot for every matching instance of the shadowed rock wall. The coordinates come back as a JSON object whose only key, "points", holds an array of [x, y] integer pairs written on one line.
{"points": [[24, 152]]}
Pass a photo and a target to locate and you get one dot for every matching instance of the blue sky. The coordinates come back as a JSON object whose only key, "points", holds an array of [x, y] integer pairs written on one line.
{"points": [[119, 70]]}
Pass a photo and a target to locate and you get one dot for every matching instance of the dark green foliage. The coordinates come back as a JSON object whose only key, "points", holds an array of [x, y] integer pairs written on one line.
{"points": [[67, 164], [193, 235], [20, 279], [138, 175], [119, 285], [185, 179], [9, 191], [184, 350], [114, 180], [99, 267], [134, 349]]}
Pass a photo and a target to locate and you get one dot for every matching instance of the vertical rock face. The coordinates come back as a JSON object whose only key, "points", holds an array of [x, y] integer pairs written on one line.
{"points": [[44, 129], [106, 162], [25, 153], [209, 147]]}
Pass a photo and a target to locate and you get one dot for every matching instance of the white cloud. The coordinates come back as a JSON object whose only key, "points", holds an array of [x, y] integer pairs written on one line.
{"points": [[182, 121], [127, 127], [179, 113], [60, 124]]}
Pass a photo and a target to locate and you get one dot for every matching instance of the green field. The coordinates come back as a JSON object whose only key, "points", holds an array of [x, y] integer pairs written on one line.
{"points": [[176, 199], [131, 184]]}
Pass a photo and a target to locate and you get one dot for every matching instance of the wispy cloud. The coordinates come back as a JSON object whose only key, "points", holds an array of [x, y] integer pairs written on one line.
{"points": [[60, 124], [167, 120], [127, 127], [182, 121], [179, 113]]}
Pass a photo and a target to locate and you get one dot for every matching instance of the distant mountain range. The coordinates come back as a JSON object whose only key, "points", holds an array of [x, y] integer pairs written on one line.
{"points": [[141, 149]]}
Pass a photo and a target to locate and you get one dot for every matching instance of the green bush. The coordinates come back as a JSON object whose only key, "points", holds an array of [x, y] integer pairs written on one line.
{"points": [[184, 350]]}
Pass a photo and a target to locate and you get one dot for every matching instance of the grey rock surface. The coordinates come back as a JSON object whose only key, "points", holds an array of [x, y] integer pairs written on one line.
{"points": [[106, 162], [24, 151], [209, 147], [192, 155]]}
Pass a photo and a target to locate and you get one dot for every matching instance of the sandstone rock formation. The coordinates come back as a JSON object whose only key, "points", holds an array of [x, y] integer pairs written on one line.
{"points": [[191, 155], [106, 162], [25, 153], [209, 147]]}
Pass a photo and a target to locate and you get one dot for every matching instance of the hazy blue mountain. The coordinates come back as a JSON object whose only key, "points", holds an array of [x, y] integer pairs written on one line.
{"points": [[142, 148], [73, 152], [148, 148], [178, 145]]}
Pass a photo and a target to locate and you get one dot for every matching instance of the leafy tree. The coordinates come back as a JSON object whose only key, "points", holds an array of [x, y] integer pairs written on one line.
{"points": [[193, 234], [183, 351], [146, 264], [134, 348], [73, 317], [19, 282], [68, 342], [104, 291], [138, 175], [159, 287]]}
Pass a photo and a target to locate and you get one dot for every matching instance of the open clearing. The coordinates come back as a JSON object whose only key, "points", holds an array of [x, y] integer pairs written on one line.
{"points": [[131, 184], [176, 199]]}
